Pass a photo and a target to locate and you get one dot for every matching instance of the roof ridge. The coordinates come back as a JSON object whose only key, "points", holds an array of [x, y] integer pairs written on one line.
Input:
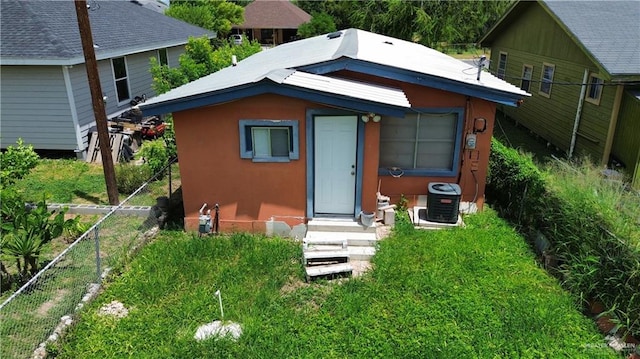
{"points": [[46, 29]]}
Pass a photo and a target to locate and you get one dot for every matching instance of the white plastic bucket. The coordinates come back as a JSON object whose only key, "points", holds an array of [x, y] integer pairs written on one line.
{"points": [[367, 218]]}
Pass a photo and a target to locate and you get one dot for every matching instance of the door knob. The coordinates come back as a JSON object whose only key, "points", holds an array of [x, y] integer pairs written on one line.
{"points": [[353, 173]]}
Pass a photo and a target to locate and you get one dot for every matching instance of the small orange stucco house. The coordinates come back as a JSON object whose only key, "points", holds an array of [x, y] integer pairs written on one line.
{"points": [[315, 128]]}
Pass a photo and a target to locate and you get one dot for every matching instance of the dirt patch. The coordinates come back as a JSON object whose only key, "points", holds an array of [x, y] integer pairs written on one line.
{"points": [[359, 267], [292, 285], [44, 308]]}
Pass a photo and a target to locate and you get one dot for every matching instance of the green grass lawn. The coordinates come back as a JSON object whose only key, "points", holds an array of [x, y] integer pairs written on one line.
{"points": [[79, 182], [473, 292]]}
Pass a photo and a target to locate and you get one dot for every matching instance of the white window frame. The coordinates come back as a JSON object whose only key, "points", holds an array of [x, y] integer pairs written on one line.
{"points": [[524, 77], [125, 78], [502, 65], [422, 119], [593, 86], [546, 81], [247, 138]]}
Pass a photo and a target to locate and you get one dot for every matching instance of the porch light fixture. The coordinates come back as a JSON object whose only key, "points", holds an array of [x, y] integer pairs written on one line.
{"points": [[370, 117]]}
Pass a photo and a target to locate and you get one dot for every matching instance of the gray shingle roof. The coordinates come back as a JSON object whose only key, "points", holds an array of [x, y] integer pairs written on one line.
{"points": [[609, 30], [46, 32]]}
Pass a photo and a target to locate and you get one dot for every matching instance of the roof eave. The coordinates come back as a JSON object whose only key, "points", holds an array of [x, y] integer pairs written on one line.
{"points": [[479, 91], [488, 36], [269, 87]]}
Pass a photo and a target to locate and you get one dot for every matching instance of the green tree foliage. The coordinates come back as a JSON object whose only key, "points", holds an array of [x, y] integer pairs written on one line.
{"points": [[214, 15], [428, 21], [321, 23], [16, 162], [198, 60]]}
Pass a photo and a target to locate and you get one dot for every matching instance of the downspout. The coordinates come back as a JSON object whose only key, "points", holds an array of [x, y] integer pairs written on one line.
{"points": [[576, 122]]}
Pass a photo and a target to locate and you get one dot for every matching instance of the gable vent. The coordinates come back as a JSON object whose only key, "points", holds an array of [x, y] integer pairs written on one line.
{"points": [[334, 35]]}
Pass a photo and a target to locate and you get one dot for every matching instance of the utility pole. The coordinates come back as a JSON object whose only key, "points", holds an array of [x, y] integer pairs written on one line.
{"points": [[97, 99]]}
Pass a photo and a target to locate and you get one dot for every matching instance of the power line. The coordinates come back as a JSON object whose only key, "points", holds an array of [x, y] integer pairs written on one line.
{"points": [[561, 83]]}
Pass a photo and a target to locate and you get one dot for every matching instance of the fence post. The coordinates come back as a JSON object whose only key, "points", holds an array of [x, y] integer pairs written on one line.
{"points": [[97, 241], [170, 162]]}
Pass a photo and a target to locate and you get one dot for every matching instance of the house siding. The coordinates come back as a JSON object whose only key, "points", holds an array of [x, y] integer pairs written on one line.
{"points": [[35, 108], [626, 144], [536, 39], [173, 54], [139, 83], [250, 194]]}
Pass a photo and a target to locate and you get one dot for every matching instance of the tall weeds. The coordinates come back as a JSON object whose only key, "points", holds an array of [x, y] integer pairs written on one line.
{"points": [[591, 221]]}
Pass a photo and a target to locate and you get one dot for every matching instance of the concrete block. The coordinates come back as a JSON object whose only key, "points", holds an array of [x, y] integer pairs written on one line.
{"points": [[389, 216]]}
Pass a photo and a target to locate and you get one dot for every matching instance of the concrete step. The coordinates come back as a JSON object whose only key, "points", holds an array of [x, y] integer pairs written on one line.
{"points": [[361, 253], [341, 255], [324, 238], [351, 238], [324, 247], [322, 270], [338, 225]]}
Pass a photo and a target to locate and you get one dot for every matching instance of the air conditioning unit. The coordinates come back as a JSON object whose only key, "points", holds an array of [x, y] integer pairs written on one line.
{"points": [[443, 202]]}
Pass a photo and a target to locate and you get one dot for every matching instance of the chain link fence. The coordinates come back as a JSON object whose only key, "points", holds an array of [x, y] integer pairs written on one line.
{"points": [[41, 308]]}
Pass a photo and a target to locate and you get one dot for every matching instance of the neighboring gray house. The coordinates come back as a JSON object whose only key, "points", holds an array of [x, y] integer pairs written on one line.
{"points": [[44, 92]]}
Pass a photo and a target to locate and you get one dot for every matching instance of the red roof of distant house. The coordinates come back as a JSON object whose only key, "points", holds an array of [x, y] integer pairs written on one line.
{"points": [[273, 14]]}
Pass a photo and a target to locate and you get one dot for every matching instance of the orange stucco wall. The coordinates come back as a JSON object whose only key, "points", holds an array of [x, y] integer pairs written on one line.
{"points": [[212, 171], [252, 193]]}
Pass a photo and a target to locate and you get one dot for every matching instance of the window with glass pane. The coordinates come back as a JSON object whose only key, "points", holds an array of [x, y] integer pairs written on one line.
{"points": [[120, 77], [502, 65], [419, 142], [547, 79], [595, 89], [163, 58], [527, 72], [270, 142]]}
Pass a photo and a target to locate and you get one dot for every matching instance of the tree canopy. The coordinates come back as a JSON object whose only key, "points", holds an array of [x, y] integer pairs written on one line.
{"points": [[428, 22], [214, 15], [198, 60], [321, 23]]}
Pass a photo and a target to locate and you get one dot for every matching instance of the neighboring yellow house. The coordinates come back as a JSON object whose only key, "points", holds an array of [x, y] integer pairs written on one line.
{"points": [[581, 62]]}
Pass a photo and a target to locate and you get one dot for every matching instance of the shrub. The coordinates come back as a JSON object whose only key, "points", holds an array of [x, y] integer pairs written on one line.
{"points": [[16, 162], [590, 221], [26, 229], [155, 155], [130, 177]]}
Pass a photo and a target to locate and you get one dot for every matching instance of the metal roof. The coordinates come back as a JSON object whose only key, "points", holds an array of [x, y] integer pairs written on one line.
{"points": [[415, 60], [273, 14], [38, 32], [346, 88]]}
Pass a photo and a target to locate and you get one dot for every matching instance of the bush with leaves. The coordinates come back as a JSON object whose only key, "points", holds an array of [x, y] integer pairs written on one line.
{"points": [[130, 177], [16, 162], [169, 138], [155, 155], [26, 229]]}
